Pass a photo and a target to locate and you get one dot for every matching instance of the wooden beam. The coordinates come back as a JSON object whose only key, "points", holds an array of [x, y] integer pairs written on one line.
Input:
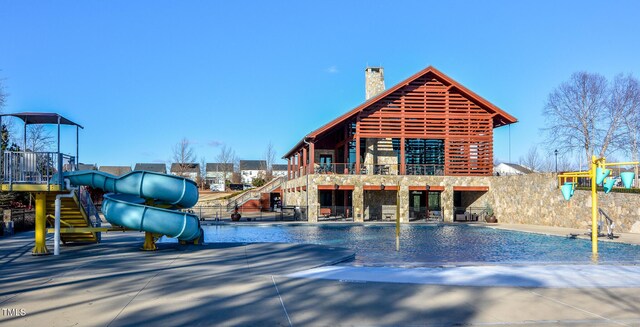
{"points": [[434, 188], [471, 188], [333, 187]]}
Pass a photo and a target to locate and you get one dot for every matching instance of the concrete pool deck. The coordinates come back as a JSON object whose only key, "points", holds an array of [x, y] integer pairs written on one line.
{"points": [[115, 284]]}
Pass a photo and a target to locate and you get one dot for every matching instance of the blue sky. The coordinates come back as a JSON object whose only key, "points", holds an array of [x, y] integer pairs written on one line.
{"points": [[141, 75]]}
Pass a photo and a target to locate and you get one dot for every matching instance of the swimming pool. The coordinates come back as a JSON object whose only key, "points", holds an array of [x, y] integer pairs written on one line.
{"points": [[431, 245]]}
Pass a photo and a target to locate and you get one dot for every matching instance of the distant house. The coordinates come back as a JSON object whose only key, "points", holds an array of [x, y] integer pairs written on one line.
{"points": [[217, 174], [115, 170], [189, 170], [279, 170], [250, 169], [508, 169], [82, 166], [154, 167]]}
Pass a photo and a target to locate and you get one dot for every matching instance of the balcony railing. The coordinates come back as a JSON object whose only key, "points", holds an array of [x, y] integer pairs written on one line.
{"points": [[24, 167], [425, 169], [379, 169]]}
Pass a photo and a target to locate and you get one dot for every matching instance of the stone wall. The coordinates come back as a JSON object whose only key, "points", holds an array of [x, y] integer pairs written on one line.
{"points": [[524, 199], [535, 199]]}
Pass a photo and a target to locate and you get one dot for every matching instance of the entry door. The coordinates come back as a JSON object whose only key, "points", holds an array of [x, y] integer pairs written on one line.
{"points": [[416, 202]]}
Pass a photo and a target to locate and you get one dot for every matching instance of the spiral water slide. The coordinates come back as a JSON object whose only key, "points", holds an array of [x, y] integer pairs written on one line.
{"points": [[125, 204]]}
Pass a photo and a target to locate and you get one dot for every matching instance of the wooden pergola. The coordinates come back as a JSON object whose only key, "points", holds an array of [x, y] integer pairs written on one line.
{"points": [[427, 106]]}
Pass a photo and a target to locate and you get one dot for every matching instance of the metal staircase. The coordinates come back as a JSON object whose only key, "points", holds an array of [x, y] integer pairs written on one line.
{"points": [[75, 213], [254, 194]]}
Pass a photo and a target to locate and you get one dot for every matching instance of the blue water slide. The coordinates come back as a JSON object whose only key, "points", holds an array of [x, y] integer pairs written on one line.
{"points": [[125, 204]]}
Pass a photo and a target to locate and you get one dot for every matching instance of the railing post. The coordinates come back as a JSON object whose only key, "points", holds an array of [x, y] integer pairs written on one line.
{"points": [[60, 174]]}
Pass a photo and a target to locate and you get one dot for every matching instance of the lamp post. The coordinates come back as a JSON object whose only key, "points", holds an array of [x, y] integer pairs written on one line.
{"points": [[556, 153]]}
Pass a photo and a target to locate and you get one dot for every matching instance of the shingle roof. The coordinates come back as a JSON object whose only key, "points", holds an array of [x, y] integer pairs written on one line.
{"points": [[115, 170], [278, 167], [215, 166], [187, 167], [155, 167], [82, 166], [253, 164]]}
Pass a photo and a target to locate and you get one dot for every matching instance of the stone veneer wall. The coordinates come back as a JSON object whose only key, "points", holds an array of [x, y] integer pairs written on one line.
{"points": [[535, 199], [524, 199]]}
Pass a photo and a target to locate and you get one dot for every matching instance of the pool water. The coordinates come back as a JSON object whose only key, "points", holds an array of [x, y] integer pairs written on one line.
{"points": [[431, 245]]}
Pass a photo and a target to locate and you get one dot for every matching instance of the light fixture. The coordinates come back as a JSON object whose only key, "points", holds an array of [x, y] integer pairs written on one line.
{"points": [[382, 187]]}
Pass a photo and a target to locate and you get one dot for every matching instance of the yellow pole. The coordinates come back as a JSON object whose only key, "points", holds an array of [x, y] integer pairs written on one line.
{"points": [[398, 218], [594, 210], [40, 247], [149, 242]]}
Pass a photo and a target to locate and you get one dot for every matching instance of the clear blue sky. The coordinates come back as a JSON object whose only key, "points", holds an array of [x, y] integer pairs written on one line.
{"points": [[141, 75]]}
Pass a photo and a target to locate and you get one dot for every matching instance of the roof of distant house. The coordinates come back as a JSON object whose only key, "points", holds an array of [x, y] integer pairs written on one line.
{"points": [[155, 167], [115, 170], [187, 167], [253, 164], [217, 166], [517, 167], [279, 167], [82, 166]]}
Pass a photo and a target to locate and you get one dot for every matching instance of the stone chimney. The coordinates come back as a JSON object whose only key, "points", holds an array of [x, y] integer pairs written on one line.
{"points": [[374, 81]]}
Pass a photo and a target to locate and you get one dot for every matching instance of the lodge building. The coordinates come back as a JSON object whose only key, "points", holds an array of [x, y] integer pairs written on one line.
{"points": [[425, 144]]}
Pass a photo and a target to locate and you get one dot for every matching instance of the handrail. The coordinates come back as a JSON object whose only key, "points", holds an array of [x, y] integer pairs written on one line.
{"points": [[89, 207], [35, 167], [252, 194], [349, 168]]}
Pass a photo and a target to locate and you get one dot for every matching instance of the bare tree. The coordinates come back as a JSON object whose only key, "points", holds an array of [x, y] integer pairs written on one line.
{"points": [[628, 92], [532, 159], [38, 138], [183, 157], [226, 157], [3, 95], [269, 158], [622, 95], [573, 111]]}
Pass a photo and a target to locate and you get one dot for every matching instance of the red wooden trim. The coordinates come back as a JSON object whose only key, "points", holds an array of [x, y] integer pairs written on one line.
{"points": [[357, 154], [436, 188], [312, 156], [471, 188], [298, 189], [340, 187], [378, 188], [304, 160], [304, 188]]}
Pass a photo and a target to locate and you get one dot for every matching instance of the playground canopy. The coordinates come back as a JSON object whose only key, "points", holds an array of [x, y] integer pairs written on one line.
{"points": [[35, 118], [41, 118]]}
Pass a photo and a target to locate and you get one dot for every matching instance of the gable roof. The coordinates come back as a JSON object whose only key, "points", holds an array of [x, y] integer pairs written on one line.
{"points": [[501, 118], [279, 167], [115, 170], [253, 165], [82, 166], [215, 166], [154, 167], [187, 167], [517, 167]]}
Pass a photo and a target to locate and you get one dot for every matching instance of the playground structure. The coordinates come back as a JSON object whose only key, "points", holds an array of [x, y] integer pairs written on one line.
{"points": [[140, 200], [597, 175]]}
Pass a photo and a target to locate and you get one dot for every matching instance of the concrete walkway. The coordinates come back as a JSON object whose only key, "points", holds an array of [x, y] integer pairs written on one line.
{"points": [[115, 284]]}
